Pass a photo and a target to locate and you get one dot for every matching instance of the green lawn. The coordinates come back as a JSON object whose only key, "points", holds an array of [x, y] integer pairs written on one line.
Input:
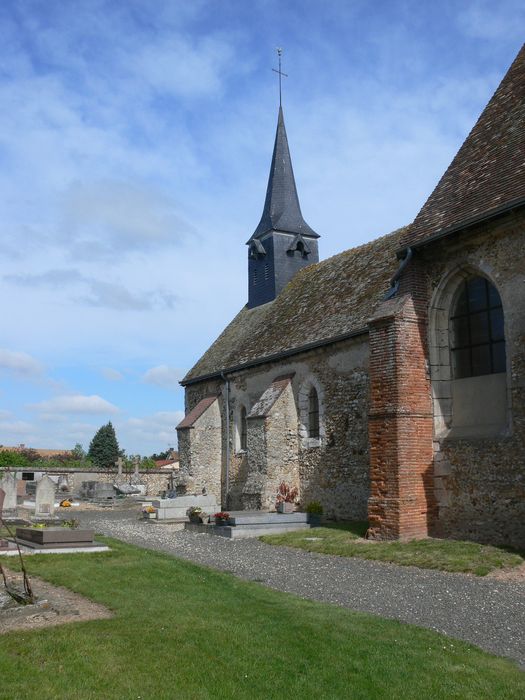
{"points": [[446, 555], [181, 631]]}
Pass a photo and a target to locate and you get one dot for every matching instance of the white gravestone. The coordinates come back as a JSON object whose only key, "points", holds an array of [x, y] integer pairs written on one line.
{"points": [[45, 497], [8, 484]]}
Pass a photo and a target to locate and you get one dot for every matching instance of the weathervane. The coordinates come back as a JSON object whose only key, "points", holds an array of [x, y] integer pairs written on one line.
{"points": [[280, 53]]}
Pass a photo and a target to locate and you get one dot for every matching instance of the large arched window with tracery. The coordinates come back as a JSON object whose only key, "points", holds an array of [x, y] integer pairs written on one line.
{"points": [[477, 330]]}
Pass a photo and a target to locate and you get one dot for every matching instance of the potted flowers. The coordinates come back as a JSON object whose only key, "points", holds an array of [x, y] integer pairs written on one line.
{"points": [[149, 513], [196, 514], [286, 498], [222, 518]]}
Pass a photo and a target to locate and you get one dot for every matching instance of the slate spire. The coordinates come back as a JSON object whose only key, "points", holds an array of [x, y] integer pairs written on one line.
{"points": [[283, 243], [282, 211]]}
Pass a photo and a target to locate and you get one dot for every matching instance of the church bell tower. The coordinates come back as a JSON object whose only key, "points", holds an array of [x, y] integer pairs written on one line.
{"points": [[282, 243]]}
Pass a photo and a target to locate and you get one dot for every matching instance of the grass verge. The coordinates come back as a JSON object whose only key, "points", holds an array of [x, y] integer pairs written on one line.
{"points": [[183, 631], [344, 540]]}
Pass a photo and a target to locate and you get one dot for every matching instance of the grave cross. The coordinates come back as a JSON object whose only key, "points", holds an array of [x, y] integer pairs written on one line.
{"points": [[119, 465], [280, 73]]}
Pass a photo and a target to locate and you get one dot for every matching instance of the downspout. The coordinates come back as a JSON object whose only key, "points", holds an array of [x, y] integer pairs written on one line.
{"points": [[227, 455], [394, 282]]}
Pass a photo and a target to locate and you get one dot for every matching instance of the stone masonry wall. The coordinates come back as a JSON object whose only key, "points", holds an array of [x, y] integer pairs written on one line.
{"points": [[272, 453], [480, 482], [335, 470], [200, 453]]}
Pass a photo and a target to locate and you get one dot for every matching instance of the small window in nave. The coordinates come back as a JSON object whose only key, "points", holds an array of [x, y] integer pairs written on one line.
{"points": [[313, 414]]}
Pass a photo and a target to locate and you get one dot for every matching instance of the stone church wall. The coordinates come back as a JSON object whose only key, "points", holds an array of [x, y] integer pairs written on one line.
{"points": [[200, 453], [272, 453], [480, 481], [333, 470]]}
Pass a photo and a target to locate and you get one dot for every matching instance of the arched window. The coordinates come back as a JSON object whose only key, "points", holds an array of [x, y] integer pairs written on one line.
{"points": [[313, 414], [243, 429], [477, 339], [468, 358]]}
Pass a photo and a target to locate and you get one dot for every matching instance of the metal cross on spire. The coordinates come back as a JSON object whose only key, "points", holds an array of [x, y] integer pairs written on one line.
{"points": [[280, 73]]}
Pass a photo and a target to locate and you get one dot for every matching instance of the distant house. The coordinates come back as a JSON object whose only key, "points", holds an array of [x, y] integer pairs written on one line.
{"points": [[171, 463]]}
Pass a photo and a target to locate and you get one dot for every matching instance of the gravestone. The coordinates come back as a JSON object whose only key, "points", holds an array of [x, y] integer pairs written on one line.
{"points": [[8, 484], [176, 508], [45, 498], [119, 466], [63, 483], [97, 490]]}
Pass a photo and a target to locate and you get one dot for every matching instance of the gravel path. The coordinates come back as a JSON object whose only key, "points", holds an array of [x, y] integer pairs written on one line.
{"points": [[483, 611]]}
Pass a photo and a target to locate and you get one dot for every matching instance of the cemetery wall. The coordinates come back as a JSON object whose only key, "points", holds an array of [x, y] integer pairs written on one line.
{"points": [[155, 480]]}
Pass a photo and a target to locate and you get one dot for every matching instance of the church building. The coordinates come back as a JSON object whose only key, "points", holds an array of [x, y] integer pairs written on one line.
{"points": [[386, 382]]}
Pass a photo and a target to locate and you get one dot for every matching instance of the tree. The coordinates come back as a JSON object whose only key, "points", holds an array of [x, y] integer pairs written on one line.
{"points": [[78, 452], [103, 449], [9, 458]]}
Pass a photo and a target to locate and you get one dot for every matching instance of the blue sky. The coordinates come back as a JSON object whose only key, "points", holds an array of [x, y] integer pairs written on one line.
{"points": [[135, 143]]}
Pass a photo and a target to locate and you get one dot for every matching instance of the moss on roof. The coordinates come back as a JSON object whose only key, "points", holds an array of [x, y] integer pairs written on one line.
{"points": [[331, 298]]}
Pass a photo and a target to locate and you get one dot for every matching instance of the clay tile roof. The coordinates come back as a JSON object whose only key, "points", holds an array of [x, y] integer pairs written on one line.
{"points": [[264, 405], [189, 420], [331, 298], [488, 172]]}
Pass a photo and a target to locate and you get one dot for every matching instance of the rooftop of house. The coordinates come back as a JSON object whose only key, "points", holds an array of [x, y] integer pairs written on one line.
{"points": [[322, 302], [39, 451], [488, 172]]}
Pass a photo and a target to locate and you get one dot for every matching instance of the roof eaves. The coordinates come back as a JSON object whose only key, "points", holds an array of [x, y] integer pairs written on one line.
{"points": [[463, 225], [275, 356]]}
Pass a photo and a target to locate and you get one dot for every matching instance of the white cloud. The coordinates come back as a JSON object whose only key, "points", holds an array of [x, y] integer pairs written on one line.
{"points": [[103, 217], [18, 427], [75, 403], [485, 20], [113, 375], [157, 430], [163, 376], [20, 363], [109, 295], [176, 66]]}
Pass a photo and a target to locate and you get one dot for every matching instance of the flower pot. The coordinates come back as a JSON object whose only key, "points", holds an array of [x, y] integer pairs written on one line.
{"points": [[221, 521], [314, 519], [284, 507]]}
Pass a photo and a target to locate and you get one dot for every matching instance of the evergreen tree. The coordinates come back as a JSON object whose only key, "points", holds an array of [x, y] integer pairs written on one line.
{"points": [[103, 449]]}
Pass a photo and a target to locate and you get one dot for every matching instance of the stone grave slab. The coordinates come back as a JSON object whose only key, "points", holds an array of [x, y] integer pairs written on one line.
{"points": [[45, 498], [8, 485], [55, 537], [176, 508]]}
